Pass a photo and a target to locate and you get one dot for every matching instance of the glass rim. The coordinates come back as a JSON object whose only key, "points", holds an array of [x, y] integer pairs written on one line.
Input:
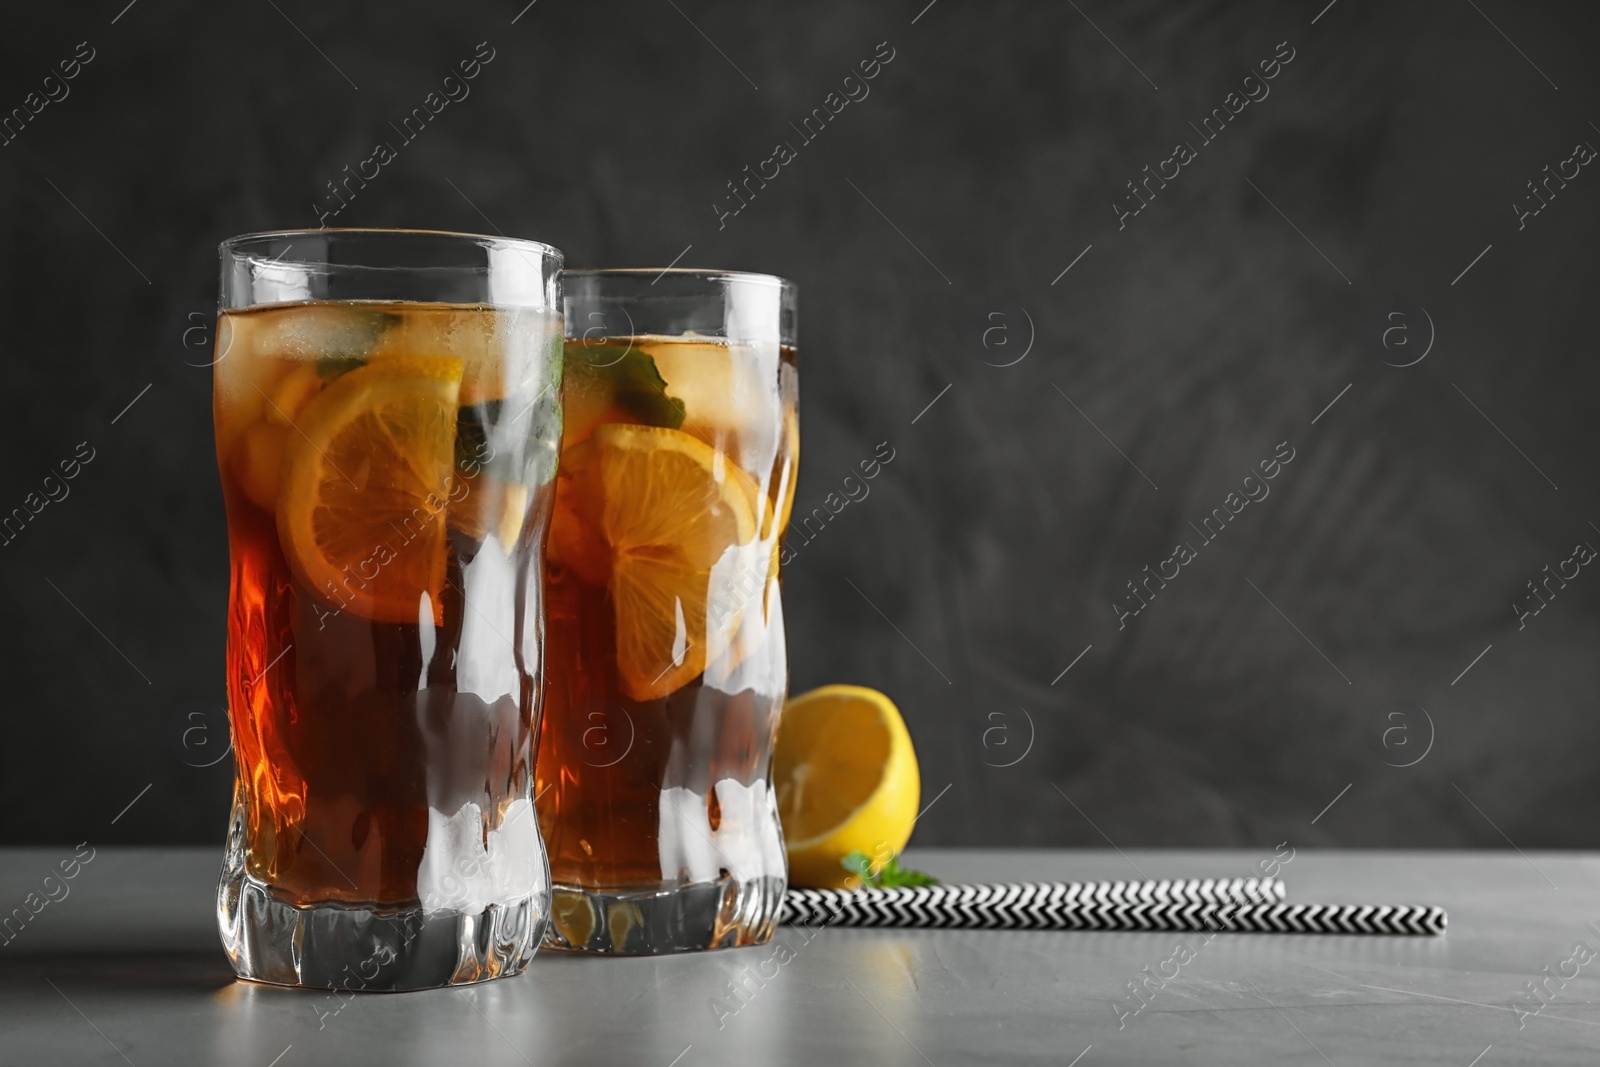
{"points": [[233, 245], [704, 273]]}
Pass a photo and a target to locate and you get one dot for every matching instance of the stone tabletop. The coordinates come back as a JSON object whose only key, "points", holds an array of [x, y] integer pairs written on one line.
{"points": [[123, 967]]}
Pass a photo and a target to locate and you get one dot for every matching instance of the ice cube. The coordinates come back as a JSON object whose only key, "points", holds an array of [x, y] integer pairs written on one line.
{"points": [[321, 331]]}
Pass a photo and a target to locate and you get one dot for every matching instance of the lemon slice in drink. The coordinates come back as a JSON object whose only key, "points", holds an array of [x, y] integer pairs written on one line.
{"points": [[668, 507], [790, 475], [367, 473], [718, 390], [846, 779]]}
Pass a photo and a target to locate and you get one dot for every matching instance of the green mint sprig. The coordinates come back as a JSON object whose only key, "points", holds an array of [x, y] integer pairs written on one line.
{"points": [[892, 876]]}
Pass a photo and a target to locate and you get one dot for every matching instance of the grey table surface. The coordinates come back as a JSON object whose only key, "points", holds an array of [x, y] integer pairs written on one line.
{"points": [[126, 969]]}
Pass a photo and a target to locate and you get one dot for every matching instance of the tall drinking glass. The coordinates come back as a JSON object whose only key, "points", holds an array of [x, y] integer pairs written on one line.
{"points": [[666, 667], [387, 414]]}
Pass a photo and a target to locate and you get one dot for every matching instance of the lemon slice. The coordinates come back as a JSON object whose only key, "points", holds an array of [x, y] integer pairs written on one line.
{"points": [[846, 780], [718, 390], [789, 474], [292, 394], [367, 473], [574, 541], [669, 507], [258, 462], [492, 507]]}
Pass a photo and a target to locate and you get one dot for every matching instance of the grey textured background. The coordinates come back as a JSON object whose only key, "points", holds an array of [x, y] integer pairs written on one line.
{"points": [[1248, 695]]}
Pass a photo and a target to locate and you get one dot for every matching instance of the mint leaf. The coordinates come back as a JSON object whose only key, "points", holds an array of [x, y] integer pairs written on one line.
{"points": [[860, 865], [892, 876], [332, 367], [518, 448], [624, 375]]}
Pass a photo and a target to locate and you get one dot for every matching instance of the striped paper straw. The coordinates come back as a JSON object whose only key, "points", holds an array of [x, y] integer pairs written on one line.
{"points": [[1015, 905], [1106, 906]]}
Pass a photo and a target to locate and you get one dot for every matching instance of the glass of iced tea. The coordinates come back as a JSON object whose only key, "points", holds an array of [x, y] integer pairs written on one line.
{"points": [[666, 662], [387, 409]]}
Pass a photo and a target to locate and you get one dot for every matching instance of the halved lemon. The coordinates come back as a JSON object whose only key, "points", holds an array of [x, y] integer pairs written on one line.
{"points": [[669, 507], [846, 780], [367, 475]]}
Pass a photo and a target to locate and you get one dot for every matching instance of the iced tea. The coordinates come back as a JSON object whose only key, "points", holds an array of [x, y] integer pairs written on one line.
{"points": [[388, 473], [666, 656]]}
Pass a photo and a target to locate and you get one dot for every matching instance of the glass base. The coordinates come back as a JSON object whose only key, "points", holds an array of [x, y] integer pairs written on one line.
{"points": [[355, 948], [726, 913]]}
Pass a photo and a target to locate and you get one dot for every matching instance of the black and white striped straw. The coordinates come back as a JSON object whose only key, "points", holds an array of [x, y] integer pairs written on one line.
{"points": [[1239, 905], [1017, 905]]}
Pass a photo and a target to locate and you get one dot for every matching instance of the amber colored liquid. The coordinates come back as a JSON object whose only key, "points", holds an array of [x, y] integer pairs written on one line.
{"points": [[651, 794], [355, 738]]}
